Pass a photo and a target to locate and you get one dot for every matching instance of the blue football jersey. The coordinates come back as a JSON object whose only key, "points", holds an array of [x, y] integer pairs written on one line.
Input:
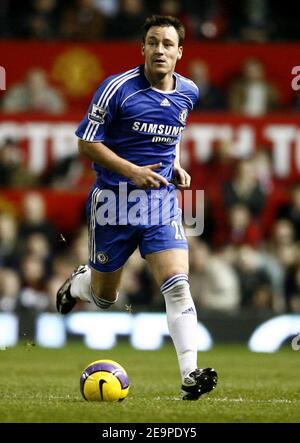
{"points": [[138, 122]]}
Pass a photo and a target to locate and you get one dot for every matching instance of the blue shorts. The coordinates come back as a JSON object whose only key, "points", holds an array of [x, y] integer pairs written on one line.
{"points": [[118, 224]]}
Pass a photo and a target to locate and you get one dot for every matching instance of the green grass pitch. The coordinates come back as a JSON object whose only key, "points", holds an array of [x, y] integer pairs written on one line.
{"points": [[41, 385]]}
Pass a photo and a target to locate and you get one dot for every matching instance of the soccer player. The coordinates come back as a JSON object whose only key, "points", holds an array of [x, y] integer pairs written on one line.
{"points": [[131, 133]]}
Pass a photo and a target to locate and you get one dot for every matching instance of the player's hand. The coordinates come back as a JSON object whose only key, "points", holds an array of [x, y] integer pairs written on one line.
{"points": [[145, 177], [181, 179]]}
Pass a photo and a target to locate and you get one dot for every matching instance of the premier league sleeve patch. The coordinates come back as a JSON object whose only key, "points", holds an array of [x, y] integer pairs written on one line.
{"points": [[97, 115]]}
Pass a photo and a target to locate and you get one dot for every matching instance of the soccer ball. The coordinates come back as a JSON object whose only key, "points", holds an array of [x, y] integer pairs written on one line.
{"points": [[104, 380]]}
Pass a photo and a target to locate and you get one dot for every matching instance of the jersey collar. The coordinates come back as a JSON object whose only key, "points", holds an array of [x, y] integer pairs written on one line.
{"points": [[146, 81]]}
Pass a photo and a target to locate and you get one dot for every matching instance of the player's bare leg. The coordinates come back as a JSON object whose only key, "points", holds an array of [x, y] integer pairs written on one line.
{"points": [[170, 270], [104, 287], [165, 264]]}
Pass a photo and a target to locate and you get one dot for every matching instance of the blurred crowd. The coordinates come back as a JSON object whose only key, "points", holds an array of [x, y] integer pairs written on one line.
{"points": [[250, 92], [233, 20]]}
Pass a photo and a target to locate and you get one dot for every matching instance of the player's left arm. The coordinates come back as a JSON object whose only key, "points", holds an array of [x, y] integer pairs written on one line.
{"points": [[181, 178]]}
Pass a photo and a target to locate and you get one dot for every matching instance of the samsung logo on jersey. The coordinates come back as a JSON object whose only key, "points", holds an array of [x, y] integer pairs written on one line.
{"points": [[154, 128]]}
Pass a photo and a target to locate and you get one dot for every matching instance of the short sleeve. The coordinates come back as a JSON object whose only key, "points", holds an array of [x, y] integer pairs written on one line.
{"points": [[100, 113]]}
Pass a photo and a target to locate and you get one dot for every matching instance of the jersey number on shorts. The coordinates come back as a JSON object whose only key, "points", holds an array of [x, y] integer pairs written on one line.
{"points": [[179, 232]]}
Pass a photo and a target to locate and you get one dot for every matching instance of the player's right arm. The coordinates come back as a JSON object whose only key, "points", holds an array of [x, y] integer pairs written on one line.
{"points": [[142, 176]]}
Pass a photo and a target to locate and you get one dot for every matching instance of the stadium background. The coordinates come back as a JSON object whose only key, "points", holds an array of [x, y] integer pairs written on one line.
{"points": [[241, 147]]}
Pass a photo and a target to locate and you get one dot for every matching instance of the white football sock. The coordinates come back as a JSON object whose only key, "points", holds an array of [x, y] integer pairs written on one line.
{"points": [[81, 286], [182, 321], [102, 303]]}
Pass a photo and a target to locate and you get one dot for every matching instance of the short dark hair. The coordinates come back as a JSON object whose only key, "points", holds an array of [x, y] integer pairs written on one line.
{"points": [[164, 20]]}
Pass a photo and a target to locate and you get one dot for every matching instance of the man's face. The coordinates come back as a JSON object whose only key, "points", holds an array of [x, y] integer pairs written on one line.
{"points": [[161, 50]]}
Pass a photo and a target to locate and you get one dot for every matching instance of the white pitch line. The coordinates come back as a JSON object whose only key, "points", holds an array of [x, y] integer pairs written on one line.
{"points": [[238, 400]]}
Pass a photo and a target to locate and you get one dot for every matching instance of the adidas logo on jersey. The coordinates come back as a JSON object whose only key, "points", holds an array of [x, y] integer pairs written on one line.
{"points": [[165, 102]]}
